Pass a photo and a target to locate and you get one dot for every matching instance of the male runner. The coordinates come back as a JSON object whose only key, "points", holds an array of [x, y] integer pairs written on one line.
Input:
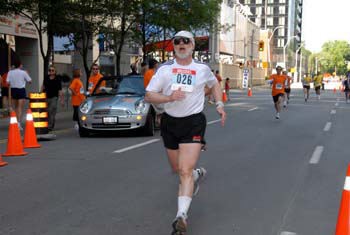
{"points": [[179, 84], [317, 84], [306, 85], [346, 84], [287, 89], [278, 82]]}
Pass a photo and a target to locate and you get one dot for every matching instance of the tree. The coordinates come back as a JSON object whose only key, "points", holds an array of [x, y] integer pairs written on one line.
{"points": [[334, 55]]}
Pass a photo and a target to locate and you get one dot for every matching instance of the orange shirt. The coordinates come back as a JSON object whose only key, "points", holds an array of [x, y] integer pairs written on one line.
{"points": [[4, 82], [278, 83], [78, 88], [147, 77], [93, 80]]}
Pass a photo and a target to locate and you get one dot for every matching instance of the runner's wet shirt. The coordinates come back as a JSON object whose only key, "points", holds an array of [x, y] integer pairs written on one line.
{"points": [[191, 79], [278, 83], [307, 81]]}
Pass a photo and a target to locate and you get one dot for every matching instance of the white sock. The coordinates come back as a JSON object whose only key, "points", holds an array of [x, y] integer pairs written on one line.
{"points": [[195, 174], [184, 203]]}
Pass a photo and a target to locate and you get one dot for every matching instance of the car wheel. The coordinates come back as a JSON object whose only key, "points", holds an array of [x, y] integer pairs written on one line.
{"points": [[148, 129], [83, 132]]}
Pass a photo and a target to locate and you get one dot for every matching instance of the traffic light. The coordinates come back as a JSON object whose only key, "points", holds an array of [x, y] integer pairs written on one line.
{"points": [[261, 45]]}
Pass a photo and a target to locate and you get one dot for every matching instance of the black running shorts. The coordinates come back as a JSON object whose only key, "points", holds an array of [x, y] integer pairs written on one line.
{"points": [[275, 98], [175, 131], [317, 88], [18, 93], [5, 91], [287, 90], [306, 87]]}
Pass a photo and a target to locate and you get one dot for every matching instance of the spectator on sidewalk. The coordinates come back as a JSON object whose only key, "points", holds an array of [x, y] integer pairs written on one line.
{"points": [[4, 94], [94, 77], [227, 88], [53, 87], [77, 89], [17, 79]]}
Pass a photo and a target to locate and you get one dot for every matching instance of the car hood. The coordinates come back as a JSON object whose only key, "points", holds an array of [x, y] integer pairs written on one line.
{"points": [[115, 102]]}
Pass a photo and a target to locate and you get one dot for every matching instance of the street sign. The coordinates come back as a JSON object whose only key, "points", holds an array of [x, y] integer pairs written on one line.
{"points": [[245, 78]]}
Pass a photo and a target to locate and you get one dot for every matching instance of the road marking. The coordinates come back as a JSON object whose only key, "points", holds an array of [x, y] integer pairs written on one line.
{"points": [[136, 146], [287, 233], [252, 109], [211, 122], [333, 111], [236, 104], [327, 127], [338, 99], [316, 155], [336, 104]]}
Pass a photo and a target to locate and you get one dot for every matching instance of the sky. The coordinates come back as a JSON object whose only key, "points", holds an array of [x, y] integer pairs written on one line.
{"points": [[325, 20]]}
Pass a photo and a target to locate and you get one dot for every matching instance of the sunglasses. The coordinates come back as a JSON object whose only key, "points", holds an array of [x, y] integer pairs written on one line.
{"points": [[177, 41], [51, 70]]}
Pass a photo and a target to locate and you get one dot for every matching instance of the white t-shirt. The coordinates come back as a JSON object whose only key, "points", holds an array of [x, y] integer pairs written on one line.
{"points": [[17, 78], [190, 78]]}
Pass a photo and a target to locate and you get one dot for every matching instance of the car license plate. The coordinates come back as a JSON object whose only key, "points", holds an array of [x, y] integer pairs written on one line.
{"points": [[110, 120]]}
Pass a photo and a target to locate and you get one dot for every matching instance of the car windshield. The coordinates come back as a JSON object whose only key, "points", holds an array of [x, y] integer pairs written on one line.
{"points": [[119, 85]]}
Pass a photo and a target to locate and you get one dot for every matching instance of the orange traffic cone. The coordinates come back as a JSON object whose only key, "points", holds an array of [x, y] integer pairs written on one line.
{"points": [[335, 91], [249, 92], [30, 140], [1, 162], [343, 225], [224, 96], [14, 143]]}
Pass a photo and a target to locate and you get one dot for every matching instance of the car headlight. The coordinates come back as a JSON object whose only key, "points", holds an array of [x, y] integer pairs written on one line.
{"points": [[140, 106], [85, 107]]}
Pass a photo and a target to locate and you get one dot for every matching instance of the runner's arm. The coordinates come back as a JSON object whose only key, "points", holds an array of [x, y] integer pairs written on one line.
{"points": [[157, 98]]}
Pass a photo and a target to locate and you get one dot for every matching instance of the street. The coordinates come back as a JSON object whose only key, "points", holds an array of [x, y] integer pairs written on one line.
{"points": [[265, 176]]}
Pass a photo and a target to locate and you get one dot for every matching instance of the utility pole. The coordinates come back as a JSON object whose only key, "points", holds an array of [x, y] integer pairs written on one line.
{"points": [[251, 60]]}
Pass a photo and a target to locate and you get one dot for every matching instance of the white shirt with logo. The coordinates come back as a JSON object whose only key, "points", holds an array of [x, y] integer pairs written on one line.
{"points": [[17, 78], [190, 78]]}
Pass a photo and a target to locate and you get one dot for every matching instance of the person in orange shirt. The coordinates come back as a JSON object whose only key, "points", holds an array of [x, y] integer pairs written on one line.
{"points": [[278, 82], [77, 89], [152, 67], [287, 89], [94, 78], [5, 94]]}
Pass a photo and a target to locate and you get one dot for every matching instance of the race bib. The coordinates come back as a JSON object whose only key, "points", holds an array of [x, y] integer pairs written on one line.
{"points": [[279, 86], [184, 79], [81, 90], [91, 85]]}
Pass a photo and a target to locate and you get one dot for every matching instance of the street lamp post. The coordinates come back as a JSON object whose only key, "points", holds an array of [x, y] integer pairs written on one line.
{"points": [[268, 45], [296, 61], [284, 50]]}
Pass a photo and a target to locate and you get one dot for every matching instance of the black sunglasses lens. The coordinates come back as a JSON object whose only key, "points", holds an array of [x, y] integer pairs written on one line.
{"points": [[186, 40], [177, 41]]}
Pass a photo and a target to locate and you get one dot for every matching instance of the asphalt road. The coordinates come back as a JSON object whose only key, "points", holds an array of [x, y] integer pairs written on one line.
{"points": [[265, 176]]}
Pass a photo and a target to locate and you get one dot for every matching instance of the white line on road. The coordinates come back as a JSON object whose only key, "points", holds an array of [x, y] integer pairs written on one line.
{"points": [[316, 155], [287, 233], [136, 146], [333, 111], [252, 109], [211, 122], [336, 104], [327, 127]]}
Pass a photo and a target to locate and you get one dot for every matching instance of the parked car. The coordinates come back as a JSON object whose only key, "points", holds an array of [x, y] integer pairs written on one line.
{"points": [[116, 103]]}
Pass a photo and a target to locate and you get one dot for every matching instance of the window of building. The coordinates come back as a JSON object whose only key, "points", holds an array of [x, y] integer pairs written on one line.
{"points": [[258, 2], [281, 32], [269, 10], [270, 1], [280, 42], [282, 1], [247, 1], [269, 20], [281, 21], [282, 10], [258, 11]]}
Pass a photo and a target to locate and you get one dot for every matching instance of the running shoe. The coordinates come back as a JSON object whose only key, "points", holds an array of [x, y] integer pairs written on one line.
{"points": [[179, 225], [201, 176], [277, 115]]}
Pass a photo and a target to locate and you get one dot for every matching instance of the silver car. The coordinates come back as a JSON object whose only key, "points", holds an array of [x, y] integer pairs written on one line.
{"points": [[117, 103]]}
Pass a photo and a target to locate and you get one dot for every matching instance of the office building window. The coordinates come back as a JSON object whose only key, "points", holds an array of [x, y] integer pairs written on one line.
{"points": [[281, 32], [282, 10], [258, 11], [281, 21], [269, 11], [280, 42], [269, 21], [282, 1], [270, 1], [247, 1], [258, 2]]}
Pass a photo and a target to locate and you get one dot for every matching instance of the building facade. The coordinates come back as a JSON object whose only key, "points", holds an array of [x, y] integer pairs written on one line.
{"points": [[284, 18]]}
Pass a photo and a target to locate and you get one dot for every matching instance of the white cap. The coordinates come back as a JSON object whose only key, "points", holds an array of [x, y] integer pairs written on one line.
{"points": [[185, 34]]}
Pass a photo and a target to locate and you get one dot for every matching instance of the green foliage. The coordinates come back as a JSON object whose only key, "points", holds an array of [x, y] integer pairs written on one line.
{"points": [[333, 56]]}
